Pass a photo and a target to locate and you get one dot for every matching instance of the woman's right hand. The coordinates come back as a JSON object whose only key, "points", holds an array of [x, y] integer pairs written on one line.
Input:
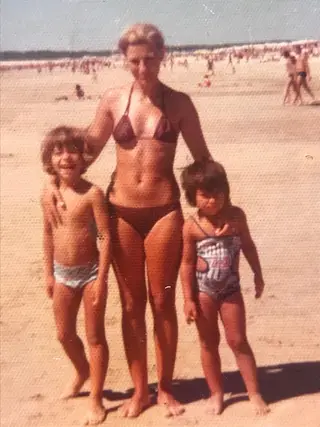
{"points": [[190, 311], [51, 198]]}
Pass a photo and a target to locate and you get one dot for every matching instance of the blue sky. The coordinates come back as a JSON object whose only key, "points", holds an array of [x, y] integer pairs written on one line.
{"points": [[97, 24]]}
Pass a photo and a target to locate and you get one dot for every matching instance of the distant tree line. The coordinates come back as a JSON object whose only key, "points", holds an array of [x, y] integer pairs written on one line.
{"points": [[13, 55]]}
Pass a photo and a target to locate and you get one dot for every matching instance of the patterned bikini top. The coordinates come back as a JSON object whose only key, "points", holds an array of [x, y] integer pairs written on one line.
{"points": [[123, 132]]}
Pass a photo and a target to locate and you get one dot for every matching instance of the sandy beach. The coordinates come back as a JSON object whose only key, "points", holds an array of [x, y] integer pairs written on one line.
{"points": [[272, 155]]}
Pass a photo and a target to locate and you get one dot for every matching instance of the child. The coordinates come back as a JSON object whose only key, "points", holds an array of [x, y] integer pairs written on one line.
{"points": [[74, 270], [209, 273]]}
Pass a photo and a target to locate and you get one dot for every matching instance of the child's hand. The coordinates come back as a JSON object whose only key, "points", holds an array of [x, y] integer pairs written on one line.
{"points": [[190, 311], [50, 281], [99, 292], [259, 286], [224, 230]]}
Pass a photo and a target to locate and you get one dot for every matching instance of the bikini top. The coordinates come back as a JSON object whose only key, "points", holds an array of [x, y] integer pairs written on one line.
{"points": [[123, 133]]}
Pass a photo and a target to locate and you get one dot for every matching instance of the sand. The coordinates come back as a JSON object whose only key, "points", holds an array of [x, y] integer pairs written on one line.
{"points": [[272, 155]]}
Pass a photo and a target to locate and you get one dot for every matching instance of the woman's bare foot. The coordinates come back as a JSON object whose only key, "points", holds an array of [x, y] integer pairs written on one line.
{"points": [[260, 406], [74, 387], [174, 408], [96, 415], [215, 403], [134, 406]]}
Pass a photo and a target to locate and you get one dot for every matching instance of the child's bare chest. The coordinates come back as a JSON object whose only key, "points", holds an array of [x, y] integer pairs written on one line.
{"points": [[77, 210]]}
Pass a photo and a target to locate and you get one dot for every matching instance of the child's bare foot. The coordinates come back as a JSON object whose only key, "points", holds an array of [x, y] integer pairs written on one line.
{"points": [[174, 408], [260, 406], [215, 403], [74, 387], [96, 415], [134, 406]]}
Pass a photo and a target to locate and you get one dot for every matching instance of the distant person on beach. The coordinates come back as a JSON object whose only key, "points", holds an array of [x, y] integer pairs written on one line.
{"points": [[210, 65], [303, 71], [75, 269], [78, 93], [212, 240], [206, 82], [291, 84], [94, 75], [145, 118], [230, 63]]}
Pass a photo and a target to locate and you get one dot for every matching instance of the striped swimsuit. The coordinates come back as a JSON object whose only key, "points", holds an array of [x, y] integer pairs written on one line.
{"points": [[217, 271]]}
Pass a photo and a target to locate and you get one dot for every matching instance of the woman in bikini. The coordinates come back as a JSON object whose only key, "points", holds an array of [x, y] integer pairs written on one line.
{"points": [[145, 120]]}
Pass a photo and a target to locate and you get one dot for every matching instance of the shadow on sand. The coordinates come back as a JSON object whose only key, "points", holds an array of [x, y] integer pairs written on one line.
{"points": [[278, 382], [315, 103]]}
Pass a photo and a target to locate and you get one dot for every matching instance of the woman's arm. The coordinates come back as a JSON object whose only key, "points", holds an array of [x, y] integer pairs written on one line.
{"points": [[102, 223], [97, 135], [100, 130], [191, 130]]}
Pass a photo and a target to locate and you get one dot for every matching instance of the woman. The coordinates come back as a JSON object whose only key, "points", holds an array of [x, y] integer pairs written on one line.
{"points": [[145, 119], [292, 79]]}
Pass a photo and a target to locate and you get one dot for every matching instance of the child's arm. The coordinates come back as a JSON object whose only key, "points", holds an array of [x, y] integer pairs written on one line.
{"points": [[48, 252], [251, 254], [187, 272], [102, 223]]}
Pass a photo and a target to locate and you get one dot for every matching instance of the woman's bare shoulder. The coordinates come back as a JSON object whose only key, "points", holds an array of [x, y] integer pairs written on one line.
{"points": [[175, 94], [113, 95]]}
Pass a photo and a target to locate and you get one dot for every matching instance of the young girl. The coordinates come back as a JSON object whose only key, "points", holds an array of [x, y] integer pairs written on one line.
{"points": [[213, 238], [74, 269]]}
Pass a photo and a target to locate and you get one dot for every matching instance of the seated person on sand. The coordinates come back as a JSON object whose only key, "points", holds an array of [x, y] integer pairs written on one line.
{"points": [[206, 82], [79, 93]]}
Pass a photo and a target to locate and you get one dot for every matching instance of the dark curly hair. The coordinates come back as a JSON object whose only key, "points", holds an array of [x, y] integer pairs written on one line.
{"points": [[61, 136], [206, 175]]}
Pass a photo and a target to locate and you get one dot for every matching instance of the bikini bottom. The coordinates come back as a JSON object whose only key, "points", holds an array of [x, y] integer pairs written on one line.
{"points": [[142, 219]]}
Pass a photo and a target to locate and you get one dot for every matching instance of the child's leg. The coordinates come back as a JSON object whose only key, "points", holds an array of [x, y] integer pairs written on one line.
{"points": [[209, 336], [66, 303], [232, 313], [99, 353]]}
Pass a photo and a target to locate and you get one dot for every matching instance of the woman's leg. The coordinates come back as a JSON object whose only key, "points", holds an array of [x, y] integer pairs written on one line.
{"points": [[99, 353], [209, 336], [129, 267], [306, 87], [163, 247], [297, 92], [233, 317], [286, 96], [66, 303]]}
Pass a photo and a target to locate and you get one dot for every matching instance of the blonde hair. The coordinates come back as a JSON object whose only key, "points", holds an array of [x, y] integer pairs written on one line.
{"points": [[141, 33], [57, 137]]}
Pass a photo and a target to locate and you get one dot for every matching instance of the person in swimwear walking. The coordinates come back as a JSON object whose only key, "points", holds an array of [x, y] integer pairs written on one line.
{"points": [[212, 240], [303, 71], [145, 119], [292, 79], [73, 268]]}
